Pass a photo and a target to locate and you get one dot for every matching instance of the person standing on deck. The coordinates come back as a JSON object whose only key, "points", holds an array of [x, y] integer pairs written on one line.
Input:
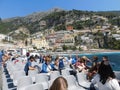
{"points": [[29, 66]]}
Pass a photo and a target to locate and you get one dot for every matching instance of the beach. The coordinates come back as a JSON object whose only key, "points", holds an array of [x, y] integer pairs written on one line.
{"points": [[91, 51]]}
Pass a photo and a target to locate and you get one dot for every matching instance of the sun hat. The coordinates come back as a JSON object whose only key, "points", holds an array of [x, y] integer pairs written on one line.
{"points": [[85, 58]]}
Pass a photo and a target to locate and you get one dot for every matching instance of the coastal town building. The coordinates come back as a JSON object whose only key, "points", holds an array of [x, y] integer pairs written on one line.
{"points": [[84, 18], [2, 36], [40, 43], [60, 38], [116, 36], [8, 38]]}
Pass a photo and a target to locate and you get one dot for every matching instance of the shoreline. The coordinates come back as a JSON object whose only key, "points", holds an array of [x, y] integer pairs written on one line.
{"points": [[93, 51]]}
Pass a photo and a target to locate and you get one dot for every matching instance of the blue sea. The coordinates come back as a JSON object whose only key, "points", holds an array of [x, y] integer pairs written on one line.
{"points": [[114, 58]]}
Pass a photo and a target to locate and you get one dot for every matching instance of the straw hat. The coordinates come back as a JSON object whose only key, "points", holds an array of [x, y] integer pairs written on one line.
{"points": [[84, 57]]}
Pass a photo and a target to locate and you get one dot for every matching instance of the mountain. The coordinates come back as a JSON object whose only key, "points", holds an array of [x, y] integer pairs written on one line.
{"points": [[58, 19], [32, 22], [108, 13]]}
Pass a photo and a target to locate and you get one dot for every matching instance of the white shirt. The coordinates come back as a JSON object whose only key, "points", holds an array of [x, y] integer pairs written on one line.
{"points": [[49, 68], [65, 61], [34, 63], [111, 84], [70, 60]]}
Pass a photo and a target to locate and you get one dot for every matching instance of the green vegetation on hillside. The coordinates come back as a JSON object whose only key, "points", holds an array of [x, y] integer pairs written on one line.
{"points": [[57, 20]]}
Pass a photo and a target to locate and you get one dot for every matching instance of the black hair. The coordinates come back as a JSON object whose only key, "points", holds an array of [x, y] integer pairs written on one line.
{"points": [[56, 58], [105, 71], [106, 57], [32, 57]]}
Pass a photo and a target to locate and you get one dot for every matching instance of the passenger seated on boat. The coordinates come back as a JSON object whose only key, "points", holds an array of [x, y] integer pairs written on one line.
{"points": [[105, 79], [56, 64], [74, 59], [29, 65], [61, 64], [70, 61], [92, 71], [4, 58], [47, 65], [41, 58], [37, 58], [59, 83], [73, 62], [80, 65], [86, 60], [65, 62], [105, 59], [77, 63], [94, 61]]}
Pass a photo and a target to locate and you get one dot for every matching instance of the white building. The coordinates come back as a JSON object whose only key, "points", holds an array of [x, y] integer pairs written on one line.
{"points": [[2, 36], [8, 38], [116, 36]]}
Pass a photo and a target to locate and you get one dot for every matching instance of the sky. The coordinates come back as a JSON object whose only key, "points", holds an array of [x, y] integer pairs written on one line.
{"points": [[14, 8]]}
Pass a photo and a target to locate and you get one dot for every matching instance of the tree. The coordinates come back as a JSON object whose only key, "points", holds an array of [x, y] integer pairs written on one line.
{"points": [[35, 47], [78, 25], [115, 21], [114, 44], [76, 40], [31, 41], [105, 38], [60, 27], [64, 47], [89, 23], [98, 38], [26, 42], [80, 49], [73, 48]]}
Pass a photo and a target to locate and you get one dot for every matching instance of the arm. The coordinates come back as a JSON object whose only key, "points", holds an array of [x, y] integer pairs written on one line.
{"points": [[115, 84], [53, 68], [44, 68], [30, 67]]}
